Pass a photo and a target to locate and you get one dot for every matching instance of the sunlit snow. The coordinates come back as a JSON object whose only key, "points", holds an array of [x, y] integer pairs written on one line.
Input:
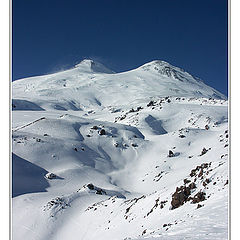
{"points": [[99, 155]]}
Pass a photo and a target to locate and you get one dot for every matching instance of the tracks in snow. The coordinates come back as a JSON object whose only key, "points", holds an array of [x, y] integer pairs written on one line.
{"points": [[29, 124]]}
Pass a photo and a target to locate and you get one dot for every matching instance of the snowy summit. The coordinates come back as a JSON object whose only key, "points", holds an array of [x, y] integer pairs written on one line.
{"points": [[91, 66], [92, 84], [141, 154]]}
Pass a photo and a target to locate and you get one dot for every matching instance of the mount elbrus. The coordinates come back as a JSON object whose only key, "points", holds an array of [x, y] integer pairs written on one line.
{"points": [[141, 154]]}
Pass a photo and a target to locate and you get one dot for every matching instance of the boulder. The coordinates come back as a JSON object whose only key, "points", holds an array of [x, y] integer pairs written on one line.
{"points": [[204, 151], [90, 186], [170, 153], [199, 197], [50, 176], [102, 132], [182, 136], [180, 196], [151, 103], [186, 181]]}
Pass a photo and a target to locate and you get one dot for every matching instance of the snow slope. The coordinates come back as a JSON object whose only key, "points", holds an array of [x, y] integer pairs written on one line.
{"points": [[106, 137]]}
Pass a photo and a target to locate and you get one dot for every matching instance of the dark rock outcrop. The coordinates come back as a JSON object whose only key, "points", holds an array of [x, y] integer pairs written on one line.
{"points": [[180, 196], [204, 151], [170, 153], [199, 197], [151, 103], [50, 176], [102, 132]]}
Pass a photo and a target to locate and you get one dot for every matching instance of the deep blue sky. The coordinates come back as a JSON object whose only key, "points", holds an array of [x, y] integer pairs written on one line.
{"points": [[51, 35]]}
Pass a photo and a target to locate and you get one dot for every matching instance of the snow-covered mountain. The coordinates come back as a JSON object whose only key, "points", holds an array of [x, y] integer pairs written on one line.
{"points": [[91, 84], [141, 154]]}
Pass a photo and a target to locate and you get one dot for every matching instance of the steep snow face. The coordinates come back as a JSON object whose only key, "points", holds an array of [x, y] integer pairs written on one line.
{"points": [[119, 156], [90, 84]]}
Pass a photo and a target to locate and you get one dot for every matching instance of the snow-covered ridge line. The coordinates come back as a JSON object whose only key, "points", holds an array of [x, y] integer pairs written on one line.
{"points": [[84, 88]]}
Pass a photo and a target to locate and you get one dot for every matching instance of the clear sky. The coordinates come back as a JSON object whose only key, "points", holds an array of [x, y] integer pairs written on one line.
{"points": [[52, 35]]}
